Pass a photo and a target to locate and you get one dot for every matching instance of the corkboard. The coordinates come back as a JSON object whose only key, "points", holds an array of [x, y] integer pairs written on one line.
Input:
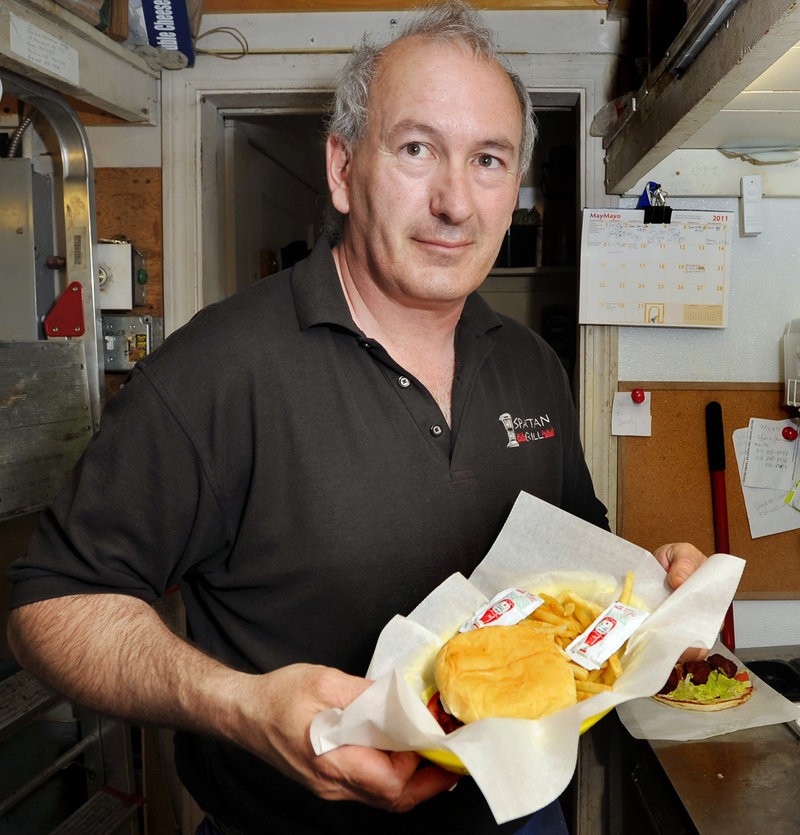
{"points": [[665, 486]]}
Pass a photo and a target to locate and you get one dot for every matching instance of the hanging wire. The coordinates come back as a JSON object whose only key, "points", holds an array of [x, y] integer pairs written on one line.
{"points": [[225, 30]]}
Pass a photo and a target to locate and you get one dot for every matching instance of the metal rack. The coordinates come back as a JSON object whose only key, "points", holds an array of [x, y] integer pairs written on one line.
{"points": [[51, 389], [102, 751], [51, 394]]}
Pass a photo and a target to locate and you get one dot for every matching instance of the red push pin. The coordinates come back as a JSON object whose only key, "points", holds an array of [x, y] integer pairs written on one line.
{"points": [[637, 395], [790, 433]]}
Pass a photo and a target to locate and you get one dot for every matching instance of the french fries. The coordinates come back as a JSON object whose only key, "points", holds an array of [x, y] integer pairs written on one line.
{"points": [[567, 615], [627, 589], [615, 666]]}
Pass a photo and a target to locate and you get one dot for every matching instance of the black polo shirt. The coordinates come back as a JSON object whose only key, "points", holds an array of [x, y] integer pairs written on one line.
{"points": [[303, 488]]}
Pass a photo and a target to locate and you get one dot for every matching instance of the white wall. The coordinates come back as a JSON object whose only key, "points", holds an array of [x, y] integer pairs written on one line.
{"points": [[764, 297], [124, 146], [766, 623]]}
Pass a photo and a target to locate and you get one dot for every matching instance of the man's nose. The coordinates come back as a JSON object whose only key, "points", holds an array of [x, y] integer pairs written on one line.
{"points": [[452, 197]]}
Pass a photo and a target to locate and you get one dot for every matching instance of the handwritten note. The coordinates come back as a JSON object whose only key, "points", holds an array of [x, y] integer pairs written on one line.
{"points": [[767, 511], [629, 418], [770, 460], [43, 49]]}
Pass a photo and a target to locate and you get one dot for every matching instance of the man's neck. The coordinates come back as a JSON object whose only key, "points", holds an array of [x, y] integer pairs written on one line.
{"points": [[421, 340]]}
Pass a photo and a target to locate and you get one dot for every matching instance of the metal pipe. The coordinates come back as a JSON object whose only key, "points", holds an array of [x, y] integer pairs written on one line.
{"points": [[43, 776], [17, 137], [80, 225], [698, 31]]}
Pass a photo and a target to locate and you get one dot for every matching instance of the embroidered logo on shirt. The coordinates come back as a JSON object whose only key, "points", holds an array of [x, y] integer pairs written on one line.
{"points": [[524, 430]]}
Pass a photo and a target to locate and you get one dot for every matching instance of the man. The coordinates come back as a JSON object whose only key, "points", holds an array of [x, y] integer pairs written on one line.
{"points": [[314, 455]]}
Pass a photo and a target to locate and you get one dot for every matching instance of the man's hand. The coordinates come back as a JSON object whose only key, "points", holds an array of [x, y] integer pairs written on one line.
{"points": [[680, 560], [271, 715]]}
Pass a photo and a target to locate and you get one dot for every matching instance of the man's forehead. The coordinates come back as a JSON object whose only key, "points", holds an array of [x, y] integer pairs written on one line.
{"points": [[433, 60]]}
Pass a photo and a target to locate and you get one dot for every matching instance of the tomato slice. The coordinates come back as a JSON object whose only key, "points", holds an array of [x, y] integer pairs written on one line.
{"points": [[447, 721]]}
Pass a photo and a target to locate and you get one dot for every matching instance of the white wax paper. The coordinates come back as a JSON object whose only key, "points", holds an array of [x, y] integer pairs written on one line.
{"points": [[649, 719], [522, 765]]}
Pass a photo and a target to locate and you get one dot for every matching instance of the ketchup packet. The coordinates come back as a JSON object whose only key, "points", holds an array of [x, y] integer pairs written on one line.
{"points": [[609, 631], [504, 609]]}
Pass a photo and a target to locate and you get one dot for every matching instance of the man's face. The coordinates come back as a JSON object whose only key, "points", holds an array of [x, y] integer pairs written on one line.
{"points": [[430, 188]]}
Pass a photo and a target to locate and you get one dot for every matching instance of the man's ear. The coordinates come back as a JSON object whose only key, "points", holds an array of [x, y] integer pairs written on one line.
{"points": [[338, 168]]}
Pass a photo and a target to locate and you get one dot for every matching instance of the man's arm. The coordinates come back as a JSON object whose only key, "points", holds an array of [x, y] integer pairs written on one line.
{"points": [[113, 653]]}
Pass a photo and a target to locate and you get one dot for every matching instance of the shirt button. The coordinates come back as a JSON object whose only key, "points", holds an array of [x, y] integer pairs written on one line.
{"points": [[403, 382], [436, 430]]}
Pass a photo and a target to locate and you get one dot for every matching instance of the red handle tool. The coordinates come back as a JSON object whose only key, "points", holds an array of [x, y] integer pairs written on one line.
{"points": [[715, 438]]}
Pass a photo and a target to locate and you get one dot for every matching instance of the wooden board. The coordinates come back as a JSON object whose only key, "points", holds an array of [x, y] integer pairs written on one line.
{"points": [[128, 202], [665, 486], [234, 6]]}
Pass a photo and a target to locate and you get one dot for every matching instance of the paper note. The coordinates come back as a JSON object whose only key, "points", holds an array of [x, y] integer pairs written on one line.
{"points": [[793, 499], [629, 418], [770, 460], [767, 511]]}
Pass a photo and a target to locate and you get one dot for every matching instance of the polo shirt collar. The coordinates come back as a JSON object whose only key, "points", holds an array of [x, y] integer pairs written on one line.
{"points": [[319, 299], [318, 295]]}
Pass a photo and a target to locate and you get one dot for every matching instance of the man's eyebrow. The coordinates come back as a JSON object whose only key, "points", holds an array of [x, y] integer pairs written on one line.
{"points": [[499, 145], [490, 143], [407, 126]]}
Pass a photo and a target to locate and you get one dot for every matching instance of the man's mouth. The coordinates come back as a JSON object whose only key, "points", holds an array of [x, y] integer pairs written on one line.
{"points": [[443, 243]]}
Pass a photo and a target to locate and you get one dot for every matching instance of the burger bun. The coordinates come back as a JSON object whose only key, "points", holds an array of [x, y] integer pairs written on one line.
{"points": [[503, 671], [709, 705]]}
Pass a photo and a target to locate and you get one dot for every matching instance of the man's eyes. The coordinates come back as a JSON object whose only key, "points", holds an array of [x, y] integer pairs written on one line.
{"points": [[488, 161], [421, 150], [416, 149]]}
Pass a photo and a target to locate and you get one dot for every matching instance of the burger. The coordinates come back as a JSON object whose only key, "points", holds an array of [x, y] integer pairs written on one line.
{"points": [[710, 685], [501, 671]]}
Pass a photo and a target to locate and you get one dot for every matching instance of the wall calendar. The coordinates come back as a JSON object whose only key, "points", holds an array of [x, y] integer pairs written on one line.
{"points": [[673, 274]]}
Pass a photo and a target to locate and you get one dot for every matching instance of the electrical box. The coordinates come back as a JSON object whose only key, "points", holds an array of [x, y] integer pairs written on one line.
{"points": [[127, 339], [752, 222], [27, 286], [115, 276]]}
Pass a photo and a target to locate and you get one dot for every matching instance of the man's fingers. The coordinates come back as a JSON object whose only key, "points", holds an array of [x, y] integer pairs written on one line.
{"points": [[680, 560], [427, 782], [694, 654], [389, 780]]}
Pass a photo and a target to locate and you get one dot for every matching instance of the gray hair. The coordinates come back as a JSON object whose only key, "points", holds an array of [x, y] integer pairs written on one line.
{"points": [[450, 21]]}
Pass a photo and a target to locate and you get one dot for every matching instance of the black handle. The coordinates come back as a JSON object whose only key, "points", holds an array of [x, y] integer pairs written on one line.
{"points": [[715, 437]]}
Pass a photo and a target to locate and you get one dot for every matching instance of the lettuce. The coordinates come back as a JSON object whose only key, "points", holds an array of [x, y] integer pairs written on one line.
{"points": [[717, 686]]}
